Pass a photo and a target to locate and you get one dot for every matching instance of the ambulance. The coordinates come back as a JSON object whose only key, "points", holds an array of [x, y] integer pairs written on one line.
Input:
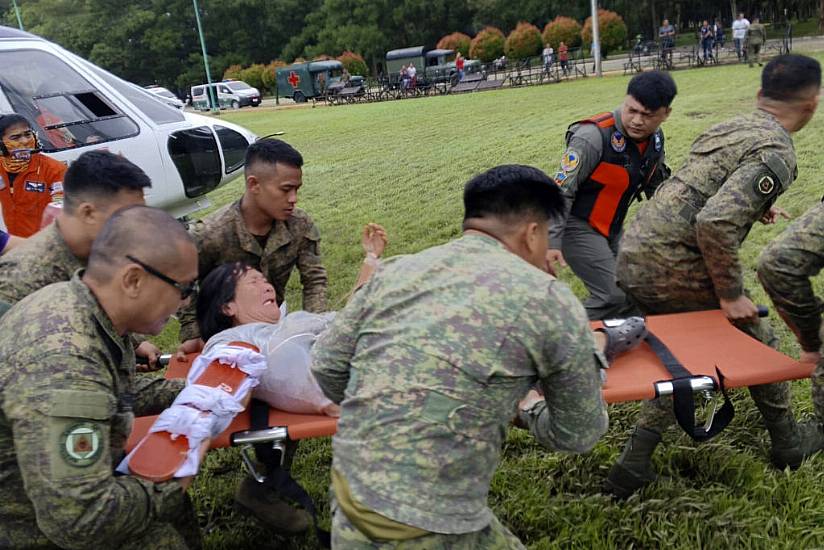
{"points": [[75, 106]]}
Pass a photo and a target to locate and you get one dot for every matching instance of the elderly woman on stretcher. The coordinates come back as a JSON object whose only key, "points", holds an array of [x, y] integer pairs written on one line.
{"points": [[237, 304]]}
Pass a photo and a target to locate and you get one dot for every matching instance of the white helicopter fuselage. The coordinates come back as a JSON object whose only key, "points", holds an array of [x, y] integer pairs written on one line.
{"points": [[75, 106]]}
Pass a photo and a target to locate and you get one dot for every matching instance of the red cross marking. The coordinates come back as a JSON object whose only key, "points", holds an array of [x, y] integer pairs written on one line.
{"points": [[293, 79]]}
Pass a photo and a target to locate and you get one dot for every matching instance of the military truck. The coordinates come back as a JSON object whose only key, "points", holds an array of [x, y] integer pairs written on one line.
{"points": [[431, 65], [313, 79]]}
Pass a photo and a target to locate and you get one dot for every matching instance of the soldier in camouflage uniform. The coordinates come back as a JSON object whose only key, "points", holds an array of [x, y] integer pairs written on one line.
{"points": [[265, 230], [96, 185], [68, 400], [680, 253], [429, 360], [784, 269]]}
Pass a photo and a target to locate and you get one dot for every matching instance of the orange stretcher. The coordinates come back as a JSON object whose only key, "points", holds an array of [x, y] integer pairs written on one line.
{"points": [[705, 342]]}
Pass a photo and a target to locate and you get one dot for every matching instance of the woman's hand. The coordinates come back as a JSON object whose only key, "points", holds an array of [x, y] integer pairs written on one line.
{"points": [[373, 240]]}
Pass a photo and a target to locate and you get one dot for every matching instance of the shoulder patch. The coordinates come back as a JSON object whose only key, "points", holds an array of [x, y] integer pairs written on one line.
{"points": [[765, 184], [570, 161], [659, 142], [81, 444], [618, 142], [778, 166]]}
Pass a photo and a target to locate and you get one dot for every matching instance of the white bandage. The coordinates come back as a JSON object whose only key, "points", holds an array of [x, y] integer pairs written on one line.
{"points": [[252, 363], [223, 406]]}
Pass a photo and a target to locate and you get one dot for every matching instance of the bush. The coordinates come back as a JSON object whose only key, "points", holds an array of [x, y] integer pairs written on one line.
{"points": [[253, 76], [232, 72], [524, 41], [322, 57], [354, 63], [270, 74], [487, 45], [562, 29], [612, 27], [457, 41]]}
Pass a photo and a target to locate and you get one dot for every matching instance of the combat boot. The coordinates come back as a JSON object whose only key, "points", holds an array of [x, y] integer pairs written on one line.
{"points": [[265, 505], [792, 443], [633, 469]]}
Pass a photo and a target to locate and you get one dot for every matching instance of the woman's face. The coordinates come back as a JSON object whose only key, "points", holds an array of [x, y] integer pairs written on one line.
{"points": [[255, 300]]}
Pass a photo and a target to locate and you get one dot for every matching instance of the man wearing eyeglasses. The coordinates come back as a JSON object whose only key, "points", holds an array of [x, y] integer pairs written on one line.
{"points": [[96, 185], [68, 399], [29, 180]]}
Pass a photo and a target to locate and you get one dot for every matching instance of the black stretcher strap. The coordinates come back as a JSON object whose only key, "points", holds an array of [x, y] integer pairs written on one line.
{"points": [[683, 402], [278, 479]]}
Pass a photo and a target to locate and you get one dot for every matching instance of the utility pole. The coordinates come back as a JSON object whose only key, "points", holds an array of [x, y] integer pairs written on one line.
{"points": [[212, 93], [17, 13], [596, 38]]}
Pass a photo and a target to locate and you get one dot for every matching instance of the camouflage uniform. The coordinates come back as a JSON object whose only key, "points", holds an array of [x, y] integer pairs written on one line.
{"points": [[428, 361], [680, 253], [222, 237], [43, 259], [67, 402], [785, 268]]}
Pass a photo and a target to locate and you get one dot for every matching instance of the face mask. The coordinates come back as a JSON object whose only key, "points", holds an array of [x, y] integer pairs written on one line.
{"points": [[20, 147]]}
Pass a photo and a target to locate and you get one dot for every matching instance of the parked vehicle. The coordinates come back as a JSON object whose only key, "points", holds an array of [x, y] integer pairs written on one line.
{"points": [[229, 94], [431, 65], [313, 79], [166, 96]]}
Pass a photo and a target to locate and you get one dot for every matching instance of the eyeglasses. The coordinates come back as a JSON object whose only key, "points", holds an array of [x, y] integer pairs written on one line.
{"points": [[185, 290]]}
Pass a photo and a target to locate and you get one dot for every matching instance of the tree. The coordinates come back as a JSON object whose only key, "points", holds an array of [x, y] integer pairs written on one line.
{"points": [[269, 75], [562, 29], [487, 45], [457, 41], [524, 41], [612, 28], [354, 63]]}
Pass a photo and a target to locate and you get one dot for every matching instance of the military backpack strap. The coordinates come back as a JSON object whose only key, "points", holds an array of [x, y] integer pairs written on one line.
{"points": [[683, 403], [602, 120], [277, 478]]}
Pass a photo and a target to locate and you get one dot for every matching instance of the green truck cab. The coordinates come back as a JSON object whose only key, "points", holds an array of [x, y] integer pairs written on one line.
{"points": [[302, 81], [431, 65]]}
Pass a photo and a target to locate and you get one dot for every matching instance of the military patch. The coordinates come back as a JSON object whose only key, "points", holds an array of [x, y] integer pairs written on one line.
{"points": [[570, 161], [765, 184], [560, 178], [80, 444], [658, 142], [618, 142]]}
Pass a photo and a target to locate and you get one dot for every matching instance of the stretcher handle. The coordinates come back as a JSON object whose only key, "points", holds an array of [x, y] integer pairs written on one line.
{"points": [[699, 383], [162, 360], [250, 437]]}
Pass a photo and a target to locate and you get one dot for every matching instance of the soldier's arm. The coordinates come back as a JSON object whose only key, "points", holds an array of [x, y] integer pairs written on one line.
{"points": [[332, 353], [587, 146], [153, 394], [728, 215], [62, 445], [573, 415], [312, 273], [785, 268]]}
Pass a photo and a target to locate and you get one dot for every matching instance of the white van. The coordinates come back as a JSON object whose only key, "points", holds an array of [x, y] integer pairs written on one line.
{"points": [[76, 106], [231, 94]]}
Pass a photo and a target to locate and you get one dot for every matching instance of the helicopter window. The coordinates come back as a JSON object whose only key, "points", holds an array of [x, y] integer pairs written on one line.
{"points": [[66, 110], [234, 147], [196, 157], [157, 111]]}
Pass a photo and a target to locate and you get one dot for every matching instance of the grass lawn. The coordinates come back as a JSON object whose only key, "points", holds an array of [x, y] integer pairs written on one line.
{"points": [[403, 164]]}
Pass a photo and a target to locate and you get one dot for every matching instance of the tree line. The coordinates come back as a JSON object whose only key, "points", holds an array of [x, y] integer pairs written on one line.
{"points": [[156, 41]]}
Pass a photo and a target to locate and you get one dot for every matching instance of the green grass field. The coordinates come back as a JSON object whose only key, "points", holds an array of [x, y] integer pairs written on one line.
{"points": [[403, 164]]}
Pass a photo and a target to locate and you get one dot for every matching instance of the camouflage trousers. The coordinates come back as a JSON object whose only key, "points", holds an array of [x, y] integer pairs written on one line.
{"points": [[817, 380], [494, 536], [184, 534], [772, 400]]}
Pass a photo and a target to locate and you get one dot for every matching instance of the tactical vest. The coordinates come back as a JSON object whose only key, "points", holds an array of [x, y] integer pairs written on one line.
{"points": [[604, 198]]}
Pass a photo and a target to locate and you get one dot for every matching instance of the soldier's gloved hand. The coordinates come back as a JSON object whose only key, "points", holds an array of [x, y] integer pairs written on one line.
{"points": [[624, 337]]}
